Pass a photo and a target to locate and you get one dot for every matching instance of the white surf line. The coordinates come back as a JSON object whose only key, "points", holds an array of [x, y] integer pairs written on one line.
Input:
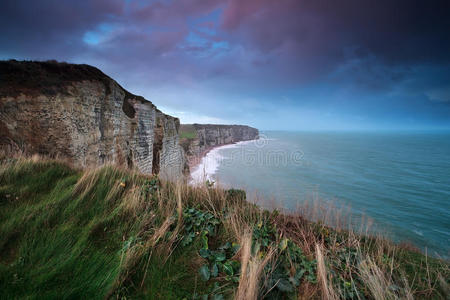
{"points": [[209, 164]]}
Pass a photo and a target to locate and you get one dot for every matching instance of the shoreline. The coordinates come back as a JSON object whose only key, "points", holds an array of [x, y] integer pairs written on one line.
{"points": [[200, 162]]}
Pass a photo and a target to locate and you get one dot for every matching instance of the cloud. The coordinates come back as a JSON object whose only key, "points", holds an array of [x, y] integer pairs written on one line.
{"points": [[439, 95], [298, 41], [51, 27], [390, 30], [216, 53]]}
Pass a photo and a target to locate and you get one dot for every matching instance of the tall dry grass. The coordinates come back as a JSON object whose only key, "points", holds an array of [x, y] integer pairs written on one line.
{"points": [[252, 269], [328, 291], [331, 231], [322, 231]]}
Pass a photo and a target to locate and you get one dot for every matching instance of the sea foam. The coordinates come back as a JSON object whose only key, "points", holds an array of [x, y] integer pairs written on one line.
{"points": [[210, 163]]}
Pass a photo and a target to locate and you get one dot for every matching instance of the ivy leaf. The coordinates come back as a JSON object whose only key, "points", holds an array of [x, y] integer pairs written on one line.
{"points": [[210, 229], [205, 239], [285, 286], [228, 268], [205, 253], [226, 246], [214, 270], [298, 276], [204, 272], [188, 239], [218, 297], [311, 278], [219, 255], [283, 244], [235, 265], [235, 248]]}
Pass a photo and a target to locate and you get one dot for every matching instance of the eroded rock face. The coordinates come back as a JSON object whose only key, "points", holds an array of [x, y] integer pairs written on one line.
{"points": [[172, 159], [202, 137], [215, 135], [78, 113]]}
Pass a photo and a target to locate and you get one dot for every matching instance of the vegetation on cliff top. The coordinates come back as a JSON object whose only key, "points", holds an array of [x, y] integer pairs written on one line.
{"points": [[51, 78], [187, 131], [106, 232], [44, 77], [187, 134]]}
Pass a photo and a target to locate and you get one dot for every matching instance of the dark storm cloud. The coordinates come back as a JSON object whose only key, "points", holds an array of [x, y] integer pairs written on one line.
{"points": [[324, 34], [248, 52], [32, 28], [402, 30], [294, 37]]}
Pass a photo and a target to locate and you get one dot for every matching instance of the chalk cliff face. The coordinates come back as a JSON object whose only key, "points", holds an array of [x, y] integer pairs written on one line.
{"points": [[78, 113], [198, 138]]}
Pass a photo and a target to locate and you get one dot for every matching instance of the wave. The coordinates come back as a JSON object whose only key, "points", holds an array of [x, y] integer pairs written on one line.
{"points": [[210, 163]]}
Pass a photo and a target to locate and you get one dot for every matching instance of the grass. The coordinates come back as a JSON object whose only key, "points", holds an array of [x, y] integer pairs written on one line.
{"points": [[110, 233], [45, 77], [51, 78], [188, 135], [187, 132]]}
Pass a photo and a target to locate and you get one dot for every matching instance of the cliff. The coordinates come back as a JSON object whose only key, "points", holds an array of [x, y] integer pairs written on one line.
{"points": [[78, 113], [196, 139]]}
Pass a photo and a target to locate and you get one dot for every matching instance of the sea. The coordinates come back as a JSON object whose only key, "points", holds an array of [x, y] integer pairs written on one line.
{"points": [[400, 181]]}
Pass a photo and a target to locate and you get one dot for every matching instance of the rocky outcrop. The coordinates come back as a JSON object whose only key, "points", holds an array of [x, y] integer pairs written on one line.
{"points": [[196, 139], [78, 113]]}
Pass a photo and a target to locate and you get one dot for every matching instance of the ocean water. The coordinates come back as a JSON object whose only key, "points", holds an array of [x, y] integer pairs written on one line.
{"points": [[399, 180]]}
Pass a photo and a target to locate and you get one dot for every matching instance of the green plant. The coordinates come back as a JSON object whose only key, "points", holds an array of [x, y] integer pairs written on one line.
{"points": [[291, 267], [289, 270], [188, 135], [202, 224], [220, 260], [69, 233], [152, 185], [197, 222], [263, 235], [236, 194]]}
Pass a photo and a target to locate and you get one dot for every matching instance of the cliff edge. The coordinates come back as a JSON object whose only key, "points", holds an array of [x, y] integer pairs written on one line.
{"points": [[78, 113], [197, 139]]}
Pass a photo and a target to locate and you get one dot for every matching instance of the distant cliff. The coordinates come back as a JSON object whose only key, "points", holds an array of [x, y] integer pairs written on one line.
{"points": [[196, 139], [78, 113]]}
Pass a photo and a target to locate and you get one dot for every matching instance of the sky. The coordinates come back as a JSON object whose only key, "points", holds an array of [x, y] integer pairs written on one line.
{"points": [[282, 65]]}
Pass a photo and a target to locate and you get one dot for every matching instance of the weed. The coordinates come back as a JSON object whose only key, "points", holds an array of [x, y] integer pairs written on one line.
{"points": [[109, 233]]}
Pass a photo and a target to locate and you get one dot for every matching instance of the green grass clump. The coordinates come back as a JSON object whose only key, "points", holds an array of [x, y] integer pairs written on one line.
{"points": [[58, 241], [111, 233], [187, 132], [188, 135]]}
